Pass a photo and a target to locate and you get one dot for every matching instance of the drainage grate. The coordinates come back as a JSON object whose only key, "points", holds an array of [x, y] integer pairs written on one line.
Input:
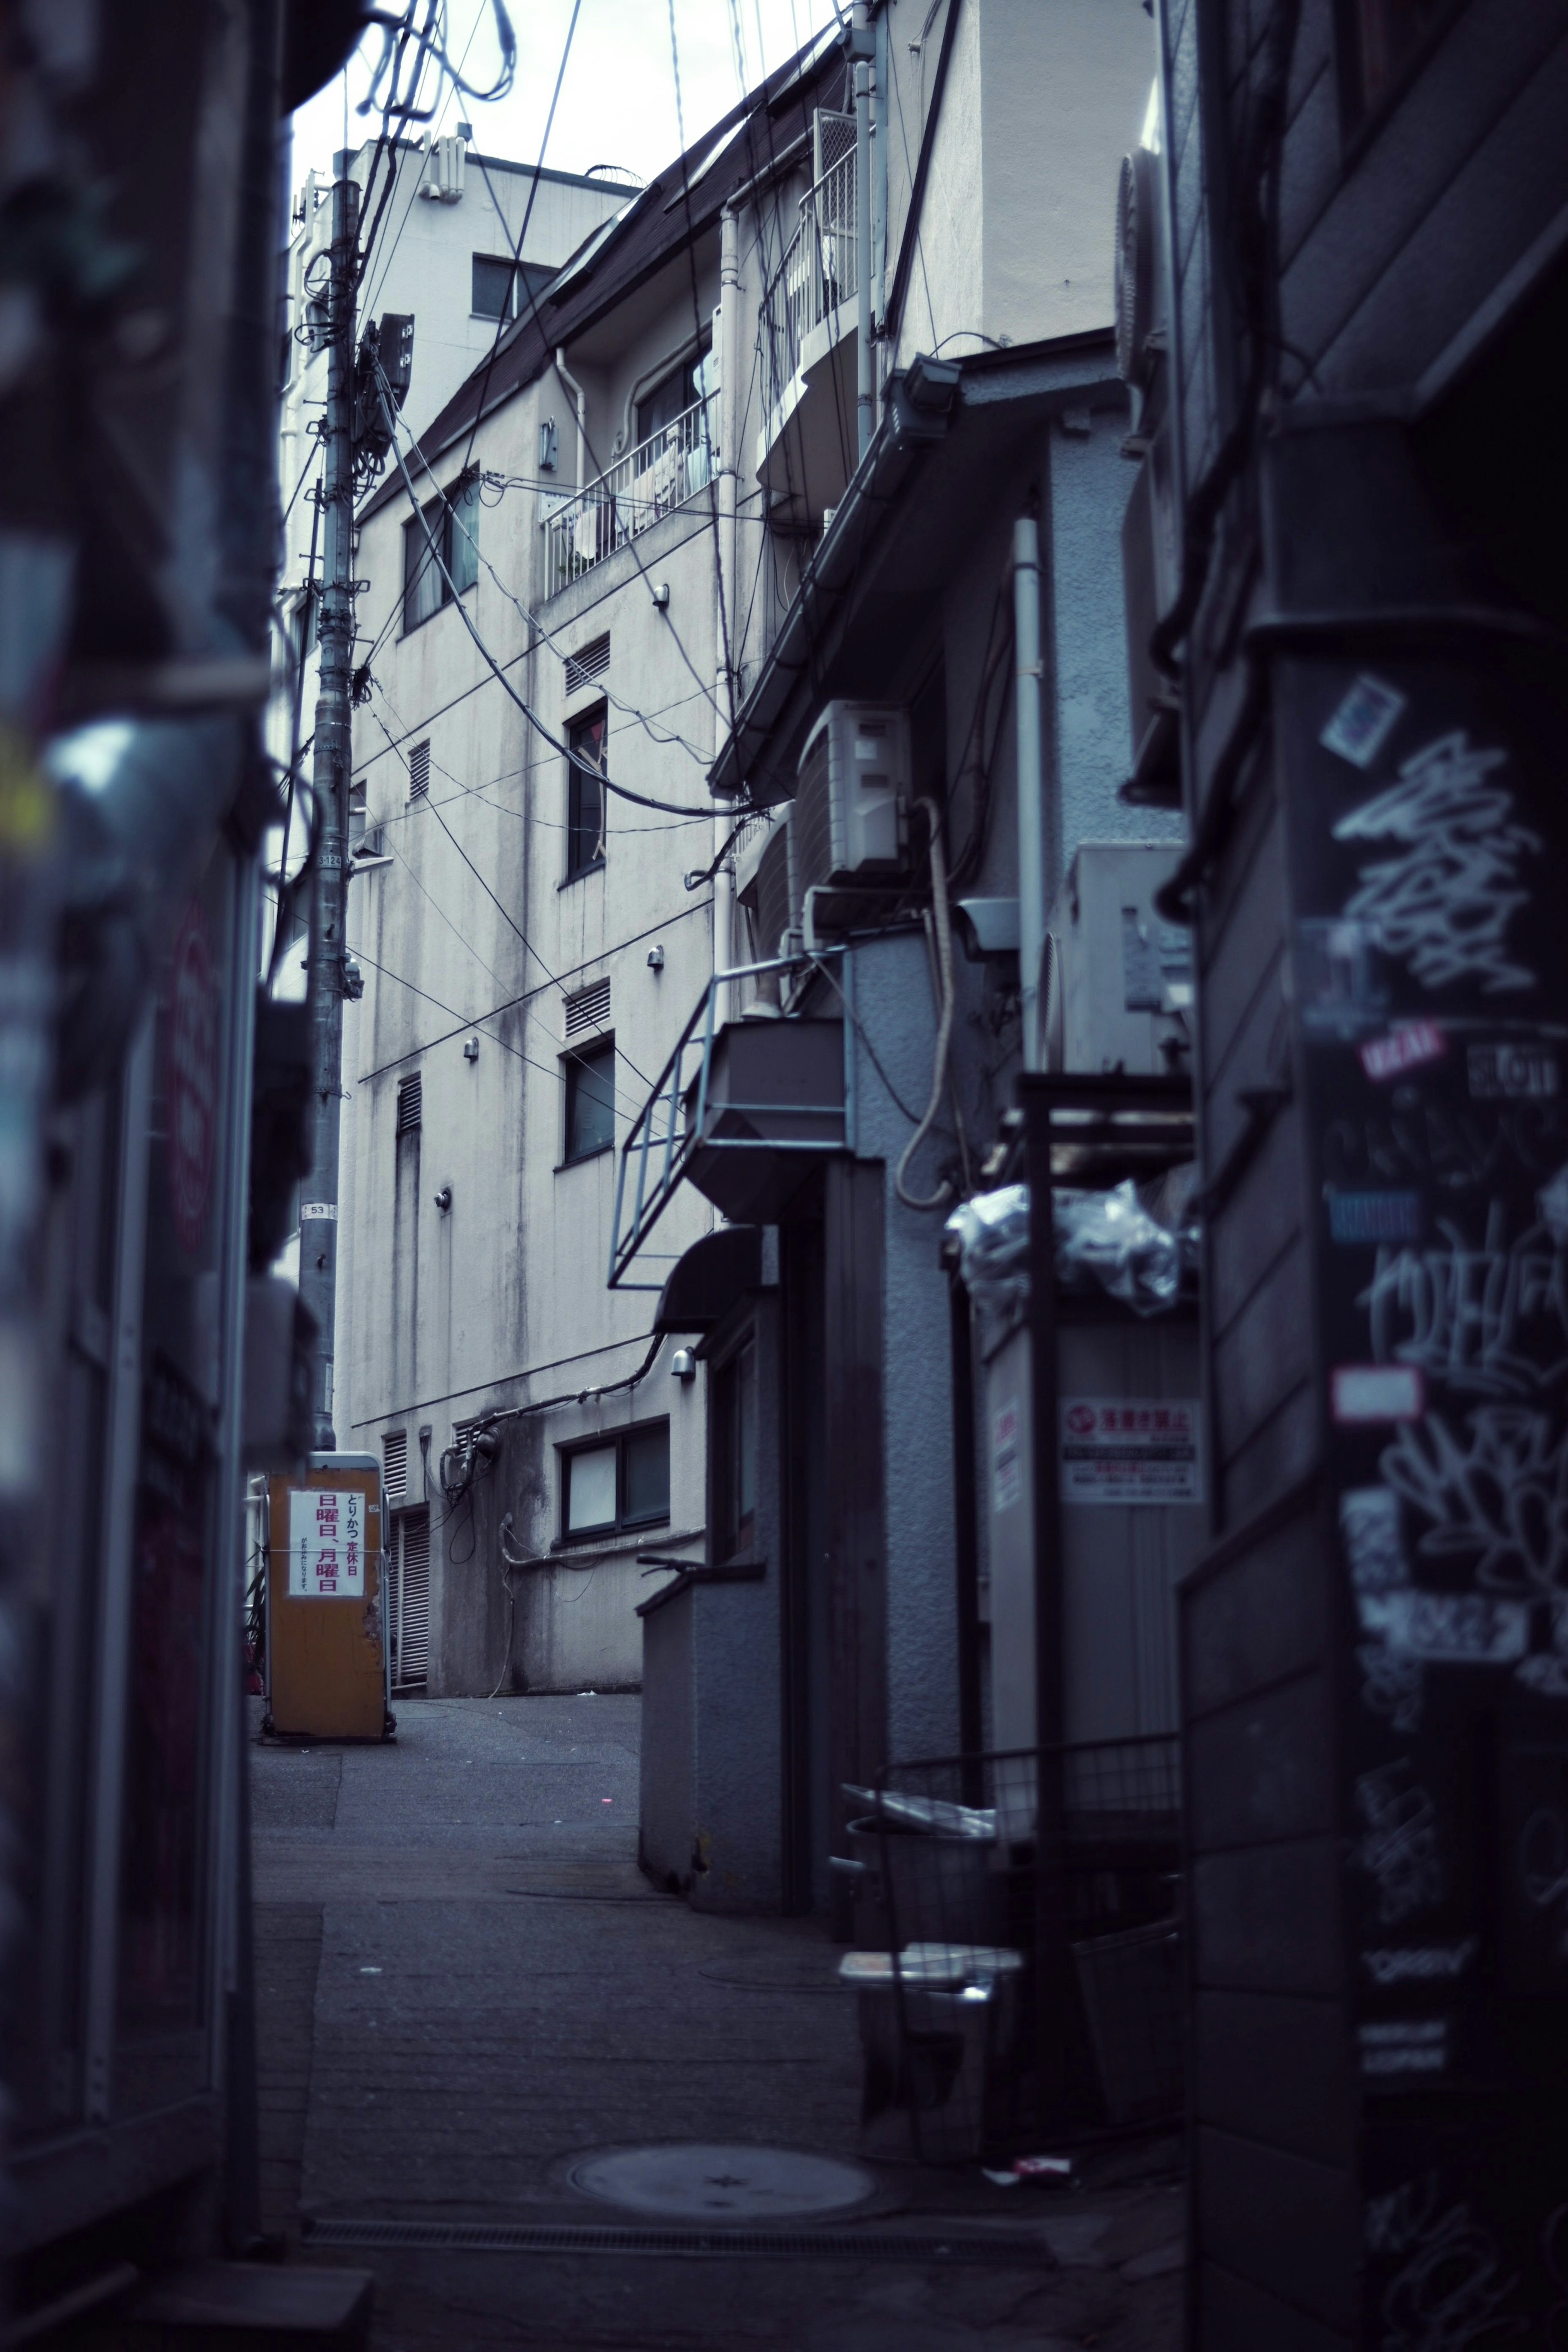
{"points": [[787, 2245]]}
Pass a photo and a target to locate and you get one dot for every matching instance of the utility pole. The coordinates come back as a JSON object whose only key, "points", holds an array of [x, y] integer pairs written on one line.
{"points": [[329, 778]]}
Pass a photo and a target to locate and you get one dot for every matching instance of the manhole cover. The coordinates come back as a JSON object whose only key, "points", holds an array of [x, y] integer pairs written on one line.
{"points": [[748, 2183], [785, 1975]]}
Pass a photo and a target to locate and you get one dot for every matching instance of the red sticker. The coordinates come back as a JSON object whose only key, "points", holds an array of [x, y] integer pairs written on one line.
{"points": [[192, 1079], [1405, 1048]]}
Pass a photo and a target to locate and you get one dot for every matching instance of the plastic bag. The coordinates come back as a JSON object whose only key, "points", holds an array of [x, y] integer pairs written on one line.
{"points": [[1136, 1245]]}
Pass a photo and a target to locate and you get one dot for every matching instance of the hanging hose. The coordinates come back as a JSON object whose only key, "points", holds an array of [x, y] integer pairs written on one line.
{"points": [[945, 1026]]}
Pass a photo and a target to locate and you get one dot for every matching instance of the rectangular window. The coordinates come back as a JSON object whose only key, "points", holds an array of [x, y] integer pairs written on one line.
{"points": [[735, 1452], [590, 1101], [508, 289], [585, 795], [440, 546], [609, 1483]]}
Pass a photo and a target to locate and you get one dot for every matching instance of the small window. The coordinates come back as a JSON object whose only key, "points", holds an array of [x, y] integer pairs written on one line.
{"points": [[585, 795], [616, 1482], [735, 1452], [505, 290], [590, 1101], [439, 546]]}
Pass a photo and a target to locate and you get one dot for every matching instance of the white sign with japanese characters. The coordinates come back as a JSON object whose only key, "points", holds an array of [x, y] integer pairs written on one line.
{"points": [[326, 1544], [1131, 1450]]}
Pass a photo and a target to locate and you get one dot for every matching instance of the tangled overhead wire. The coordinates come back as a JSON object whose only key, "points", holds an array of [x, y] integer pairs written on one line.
{"points": [[401, 38]]}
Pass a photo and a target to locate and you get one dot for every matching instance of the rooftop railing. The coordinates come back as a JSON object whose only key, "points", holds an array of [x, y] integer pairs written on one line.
{"points": [[659, 475], [817, 274]]}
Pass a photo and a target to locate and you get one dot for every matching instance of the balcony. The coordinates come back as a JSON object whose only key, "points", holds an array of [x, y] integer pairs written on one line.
{"points": [[740, 1108], [809, 306], [650, 482]]}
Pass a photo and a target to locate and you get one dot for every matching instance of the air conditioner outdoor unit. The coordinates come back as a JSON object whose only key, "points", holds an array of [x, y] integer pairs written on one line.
{"points": [[1118, 977], [851, 796]]}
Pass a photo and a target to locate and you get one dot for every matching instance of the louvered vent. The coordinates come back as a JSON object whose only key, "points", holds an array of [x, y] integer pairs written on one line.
{"points": [[811, 831], [583, 669], [410, 1598], [410, 1104], [419, 771], [395, 1466], [589, 1008], [772, 893]]}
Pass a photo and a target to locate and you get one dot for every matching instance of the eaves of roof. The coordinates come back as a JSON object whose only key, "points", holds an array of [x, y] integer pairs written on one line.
{"points": [[899, 529], [660, 222]]}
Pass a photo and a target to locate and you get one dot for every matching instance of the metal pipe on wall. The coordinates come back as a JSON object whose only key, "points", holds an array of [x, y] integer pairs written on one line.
{"points": [[863, 44], [1029, 733], [725, 653], [579, 401]]}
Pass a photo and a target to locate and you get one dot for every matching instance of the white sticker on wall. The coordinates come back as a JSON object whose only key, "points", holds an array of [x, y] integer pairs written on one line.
{"points": [[326, 1544], [1130, 1450], [1363, 722]]}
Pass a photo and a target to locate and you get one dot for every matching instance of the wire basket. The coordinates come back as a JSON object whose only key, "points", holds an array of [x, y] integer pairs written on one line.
{"points": [[1041, 1887]]}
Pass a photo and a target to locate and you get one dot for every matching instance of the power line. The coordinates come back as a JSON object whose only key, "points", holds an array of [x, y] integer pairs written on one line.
{"points": [[585, 767], [552, 977]]}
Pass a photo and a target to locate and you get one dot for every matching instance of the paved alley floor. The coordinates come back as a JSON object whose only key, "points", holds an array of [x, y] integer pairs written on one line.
{"points": [[465, 1985]]}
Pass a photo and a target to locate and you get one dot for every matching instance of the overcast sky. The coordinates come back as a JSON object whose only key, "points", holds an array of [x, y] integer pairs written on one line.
{"points": [[618, 100]]}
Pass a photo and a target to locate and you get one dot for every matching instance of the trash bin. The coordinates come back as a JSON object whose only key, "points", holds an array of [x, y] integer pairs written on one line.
{"points": [[934, 2038], [922, 1885]]}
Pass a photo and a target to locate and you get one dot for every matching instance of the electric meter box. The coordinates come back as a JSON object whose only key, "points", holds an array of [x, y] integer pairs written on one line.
{"points": [[328, 1674], [1118, 977], [851, 794]]}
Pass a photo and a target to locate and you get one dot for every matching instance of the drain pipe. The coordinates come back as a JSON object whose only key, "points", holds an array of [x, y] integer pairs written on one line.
{"points": [[1030, 779], [580, 397], [725, 653], [862, 49]]}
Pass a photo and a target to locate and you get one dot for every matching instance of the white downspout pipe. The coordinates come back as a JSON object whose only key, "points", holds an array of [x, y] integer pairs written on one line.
{"points": [[1030, 779], [863, 43], [725, 653], [580, 397]]}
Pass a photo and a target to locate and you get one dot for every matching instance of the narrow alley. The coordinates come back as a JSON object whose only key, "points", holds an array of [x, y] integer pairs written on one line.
{"points": [[467, 1989]]}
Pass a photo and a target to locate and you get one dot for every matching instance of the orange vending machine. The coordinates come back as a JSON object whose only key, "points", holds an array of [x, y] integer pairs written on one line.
{"points": [[326, 1665]]}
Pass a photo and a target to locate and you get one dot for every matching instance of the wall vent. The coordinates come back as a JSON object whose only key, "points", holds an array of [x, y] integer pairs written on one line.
{"points": [[409, 1614], [419, 771], [583, 669], [394, 1467], [410, 1104], [589, 1008]]}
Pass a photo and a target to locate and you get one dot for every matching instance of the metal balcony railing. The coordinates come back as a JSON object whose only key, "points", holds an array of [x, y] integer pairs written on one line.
{"points": [[817, 274], [674, 1123], [659, 475]]}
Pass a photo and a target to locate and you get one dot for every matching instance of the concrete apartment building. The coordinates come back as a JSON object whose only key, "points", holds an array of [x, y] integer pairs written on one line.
{"points": [[654, 511]]}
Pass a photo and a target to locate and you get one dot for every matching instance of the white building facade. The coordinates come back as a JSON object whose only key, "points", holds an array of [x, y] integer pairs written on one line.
{"points": [[623, 508]]}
